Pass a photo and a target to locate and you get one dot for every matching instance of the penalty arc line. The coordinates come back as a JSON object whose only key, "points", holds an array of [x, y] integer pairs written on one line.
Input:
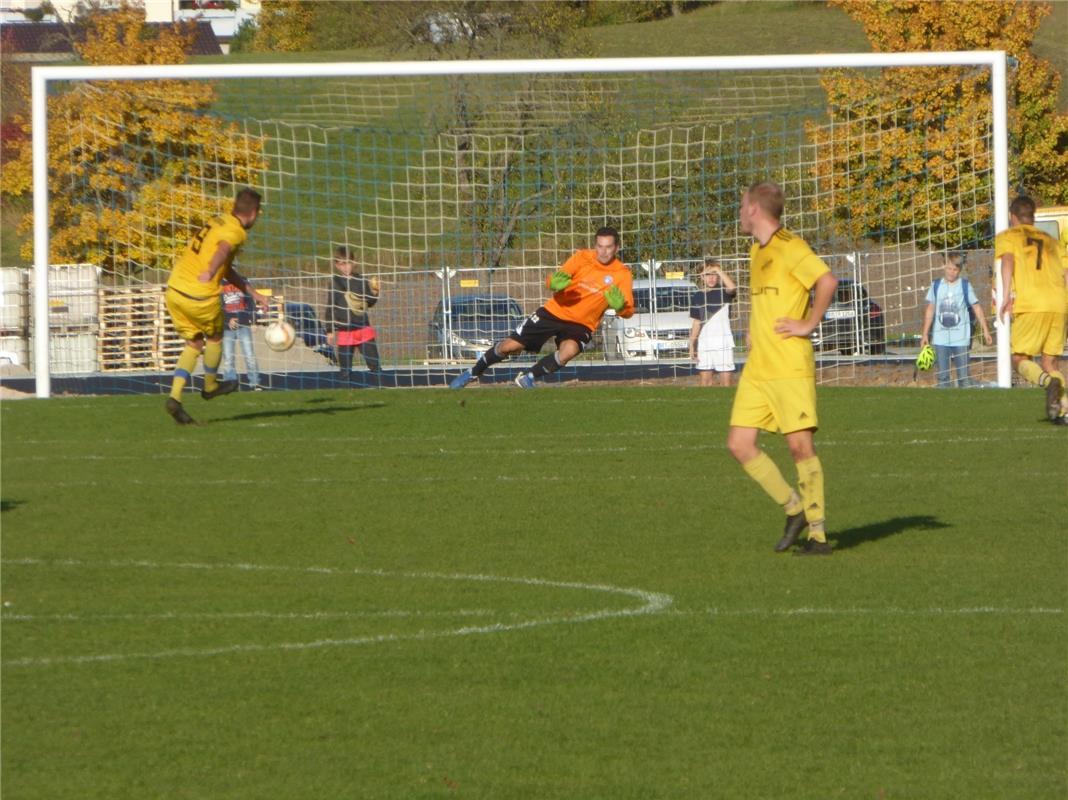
{"points": [[652, 603]]}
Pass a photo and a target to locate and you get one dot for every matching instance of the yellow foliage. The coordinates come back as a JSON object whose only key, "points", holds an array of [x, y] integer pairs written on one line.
{"points": [[913, 165], [131, 164], [284, 26]]}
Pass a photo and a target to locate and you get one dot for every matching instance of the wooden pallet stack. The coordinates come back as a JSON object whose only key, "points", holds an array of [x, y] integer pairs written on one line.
{"points": [[135, 330], [136, 333]]}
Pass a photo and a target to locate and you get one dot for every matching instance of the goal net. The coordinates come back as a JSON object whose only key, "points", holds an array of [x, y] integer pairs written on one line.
{"points": [[460, 186]]}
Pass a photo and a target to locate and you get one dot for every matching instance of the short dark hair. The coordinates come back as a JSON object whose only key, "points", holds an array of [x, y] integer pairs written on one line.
{"points": [[607, 231], [956, 258], [1023, 208], [342, 253], [246, 201]]}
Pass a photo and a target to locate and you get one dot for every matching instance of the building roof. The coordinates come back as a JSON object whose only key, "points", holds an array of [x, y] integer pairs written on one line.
{"points": [[51, 38]]}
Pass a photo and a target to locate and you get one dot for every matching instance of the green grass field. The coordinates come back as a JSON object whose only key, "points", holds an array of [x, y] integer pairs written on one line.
{"points": [[567, 593]]}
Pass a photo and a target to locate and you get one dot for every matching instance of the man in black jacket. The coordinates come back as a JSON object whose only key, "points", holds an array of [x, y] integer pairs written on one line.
{"points": [[347, 324]]}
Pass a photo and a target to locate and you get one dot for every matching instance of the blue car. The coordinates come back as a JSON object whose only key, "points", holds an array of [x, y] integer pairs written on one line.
{"points": [[309, 328], [466, 327]]}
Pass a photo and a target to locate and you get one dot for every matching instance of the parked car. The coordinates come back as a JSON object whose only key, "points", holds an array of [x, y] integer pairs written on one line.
{"points": [[854, 323], [469, 323], [660, 327]]}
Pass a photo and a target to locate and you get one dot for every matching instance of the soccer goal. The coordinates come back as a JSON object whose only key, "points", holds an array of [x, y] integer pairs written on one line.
{"points": [[459, 186]]}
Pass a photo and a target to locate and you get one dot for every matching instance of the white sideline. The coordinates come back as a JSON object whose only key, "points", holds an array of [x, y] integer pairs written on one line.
{"points": [[652, 602], [891, 611]]}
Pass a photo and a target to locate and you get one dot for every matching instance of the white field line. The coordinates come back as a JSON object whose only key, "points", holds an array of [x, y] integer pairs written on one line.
{"points": [[651, 603], [716, 433], [709, 446], [437, 479], [266, 615], [891, 611]]}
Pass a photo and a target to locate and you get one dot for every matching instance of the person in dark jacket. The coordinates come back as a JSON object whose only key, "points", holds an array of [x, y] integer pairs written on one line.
{"points": [[347, 325]]}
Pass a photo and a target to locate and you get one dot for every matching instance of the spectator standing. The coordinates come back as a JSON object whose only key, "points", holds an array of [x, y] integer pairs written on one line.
{"points": [[347, 323], [711, 340], [239, 315], [947, 325]]}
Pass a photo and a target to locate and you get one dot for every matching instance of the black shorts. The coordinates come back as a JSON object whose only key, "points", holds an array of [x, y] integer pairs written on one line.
{"points": [[541, 326]]}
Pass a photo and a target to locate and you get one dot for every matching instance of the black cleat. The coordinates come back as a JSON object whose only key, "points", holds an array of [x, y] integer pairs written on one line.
{"points": [[224, 387], [174, 408], [1062, 420], [795, 523], [1053, 399], [813, 548]]}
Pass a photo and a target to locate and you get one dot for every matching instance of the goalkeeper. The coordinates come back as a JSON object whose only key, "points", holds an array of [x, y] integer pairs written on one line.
{"points": [[584, 288]]}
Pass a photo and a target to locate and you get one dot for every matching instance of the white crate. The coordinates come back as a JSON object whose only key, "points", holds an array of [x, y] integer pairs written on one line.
{"points": [[72, 353], [14, 299], [73, 295], [15, 346]]}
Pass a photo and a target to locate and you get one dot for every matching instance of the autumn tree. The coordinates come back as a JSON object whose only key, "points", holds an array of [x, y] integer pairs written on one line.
{"points": [[284, 26], [132, 166], [921, 149]]}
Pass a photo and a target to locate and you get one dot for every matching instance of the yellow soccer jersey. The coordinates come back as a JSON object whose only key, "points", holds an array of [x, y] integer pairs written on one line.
{"points": [[781, 273], [199, 252], [1038, 272]]}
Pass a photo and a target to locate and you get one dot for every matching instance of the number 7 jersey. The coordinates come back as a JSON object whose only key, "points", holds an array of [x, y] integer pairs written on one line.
{"points": [[198, 254], [1038, 272]]}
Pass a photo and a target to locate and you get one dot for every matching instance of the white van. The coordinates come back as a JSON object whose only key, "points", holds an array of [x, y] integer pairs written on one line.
{"points": [[660, 327]]}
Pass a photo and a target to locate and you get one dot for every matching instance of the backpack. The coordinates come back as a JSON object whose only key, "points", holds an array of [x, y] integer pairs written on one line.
{"points": [[972, 319]]}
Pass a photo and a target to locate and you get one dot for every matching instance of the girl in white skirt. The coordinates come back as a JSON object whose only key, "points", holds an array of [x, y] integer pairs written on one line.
{"points": [[711, 341]]}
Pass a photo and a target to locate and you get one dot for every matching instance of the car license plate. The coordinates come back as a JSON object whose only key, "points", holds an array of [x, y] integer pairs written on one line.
{"points": [[840, 313]]}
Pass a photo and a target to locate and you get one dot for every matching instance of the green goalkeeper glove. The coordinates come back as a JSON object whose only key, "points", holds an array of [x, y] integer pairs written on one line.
{"points": [[615, 298], [559, 281]]}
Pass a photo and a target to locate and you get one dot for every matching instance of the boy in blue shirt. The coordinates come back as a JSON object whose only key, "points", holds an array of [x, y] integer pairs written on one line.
{"points": [[947, 325]]}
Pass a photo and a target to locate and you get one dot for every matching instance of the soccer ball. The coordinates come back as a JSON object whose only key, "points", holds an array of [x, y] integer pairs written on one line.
{"points": [[280, 336]]}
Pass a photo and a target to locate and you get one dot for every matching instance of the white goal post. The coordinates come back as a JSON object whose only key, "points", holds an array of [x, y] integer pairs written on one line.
{"points": [[43, 77]]}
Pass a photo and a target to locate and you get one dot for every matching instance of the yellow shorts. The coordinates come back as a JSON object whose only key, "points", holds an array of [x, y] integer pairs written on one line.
{"points": [[1039, 332], [780, 406], [193, 318]]}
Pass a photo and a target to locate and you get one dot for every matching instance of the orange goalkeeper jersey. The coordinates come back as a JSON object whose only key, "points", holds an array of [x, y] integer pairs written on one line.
{"points": [[583, 300]]}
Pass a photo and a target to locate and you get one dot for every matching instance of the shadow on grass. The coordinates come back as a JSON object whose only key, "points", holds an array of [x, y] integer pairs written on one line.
{"points": [[297, 412], [851, 537], [9, 505]]}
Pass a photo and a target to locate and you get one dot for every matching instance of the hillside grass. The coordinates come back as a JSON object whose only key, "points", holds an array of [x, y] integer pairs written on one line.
{"points": [[732, 28]]}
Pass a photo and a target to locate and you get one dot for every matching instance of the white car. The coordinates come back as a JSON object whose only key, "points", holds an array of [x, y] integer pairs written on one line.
{"points": [[660, 327]]}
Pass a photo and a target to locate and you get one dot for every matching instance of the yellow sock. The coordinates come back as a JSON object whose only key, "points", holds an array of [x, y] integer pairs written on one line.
{"points": [[810, 484], [212, 357], [1032, 372], [763, 470], [187, 362]]}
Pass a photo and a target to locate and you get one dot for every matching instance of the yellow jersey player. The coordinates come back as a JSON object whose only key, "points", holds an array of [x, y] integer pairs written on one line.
{"points": [[193, 298], [777, 390], [584, 288], [1035, 295]]}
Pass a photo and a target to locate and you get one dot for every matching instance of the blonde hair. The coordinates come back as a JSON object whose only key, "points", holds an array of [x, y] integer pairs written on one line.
{"points": [[769, 196]]}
